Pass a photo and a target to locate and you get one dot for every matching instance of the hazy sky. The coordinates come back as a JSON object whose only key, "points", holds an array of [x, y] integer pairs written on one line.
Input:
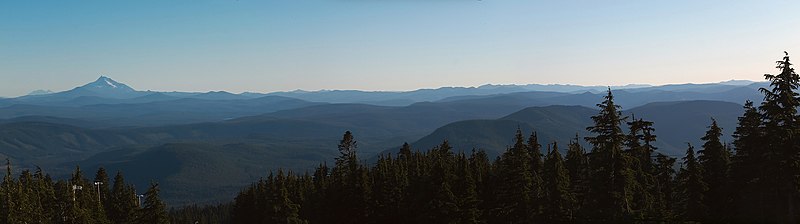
{"points": [[265, 46]]}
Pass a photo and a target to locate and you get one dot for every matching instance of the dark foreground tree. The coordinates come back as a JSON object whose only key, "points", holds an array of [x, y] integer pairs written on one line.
{"points": [[782, 145], [692, 189], [153, 210], [714, 159], [558, 195], [611, 179]]}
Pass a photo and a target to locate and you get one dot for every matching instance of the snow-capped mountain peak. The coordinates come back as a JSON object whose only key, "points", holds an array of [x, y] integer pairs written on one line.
{"points": [[105, 83]]}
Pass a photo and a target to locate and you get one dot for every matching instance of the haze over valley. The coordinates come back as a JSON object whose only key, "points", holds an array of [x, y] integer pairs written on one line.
{"points": [[227, 140]]}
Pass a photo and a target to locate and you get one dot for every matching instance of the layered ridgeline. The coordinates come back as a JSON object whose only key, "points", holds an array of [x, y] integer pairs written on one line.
{"points": [[620, 179], [203, 147]]}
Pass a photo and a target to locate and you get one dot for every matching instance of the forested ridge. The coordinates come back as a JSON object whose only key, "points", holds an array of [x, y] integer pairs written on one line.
{"points": [[619, 178]]}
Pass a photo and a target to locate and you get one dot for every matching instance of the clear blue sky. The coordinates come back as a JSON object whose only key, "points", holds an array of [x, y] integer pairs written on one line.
{"points": [[265, 46]]}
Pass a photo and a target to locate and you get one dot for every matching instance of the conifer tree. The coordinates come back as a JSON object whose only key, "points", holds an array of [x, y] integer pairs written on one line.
{"points": [[153, 209], [29, 208], [82, 198], [405, 151], [612, 180], [9, 188], [388, 188], [443, 206], [482, 173], [537, 169], [45, 190], [664, 187], [577, 164], [714, 159], [516, 192], [466, 192], [782, 146], [560, 200], [640, 148], [692, 188], [123, 201], [101, 183], [283, 209], [350, 186], [747, 167]]}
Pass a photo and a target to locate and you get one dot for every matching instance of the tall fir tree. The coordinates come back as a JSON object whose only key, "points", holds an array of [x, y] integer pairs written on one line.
{"points": [[714, 159], [443, 206], [560, 200], [516, 193], [47, 195], [101, 182], [283, 210], [466, 192], [664, 194], [577, 164], [153, 209], [349, 191], [82, 198], [536, 170], [747, 167], [640, 148], [782, 146], [612, 180], [123, 201], [692, 189], [29, 208], [9, 188]]}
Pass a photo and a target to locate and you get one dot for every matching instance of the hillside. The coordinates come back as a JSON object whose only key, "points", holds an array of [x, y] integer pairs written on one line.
{"points": [[675, 122]]}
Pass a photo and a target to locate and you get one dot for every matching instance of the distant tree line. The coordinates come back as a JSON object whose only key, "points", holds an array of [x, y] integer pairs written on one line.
{"points": [[34, 197], [621, 179]]}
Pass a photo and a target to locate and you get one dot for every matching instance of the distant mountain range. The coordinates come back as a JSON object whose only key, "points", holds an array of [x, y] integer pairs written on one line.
{"points": [[105, 90], [186, 140]]}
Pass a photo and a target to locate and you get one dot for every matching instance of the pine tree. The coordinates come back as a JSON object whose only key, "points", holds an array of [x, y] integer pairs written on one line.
{"points": [[466, 192], [101, 183], [316, 211], [283, 209], [350, 186], [747, 167], [560, 200], [483, 174], [612, 180], [692, 189], [29, 208], [537, 168], [516, 190], [664, 187], [577, 164], [443, 206], [347, 150], [714, 159], [405, 151], [153, 210], [388, 188], [9, 187], [123, 202], [45, 190], [80, 209], [640, 148], [782, 153]]}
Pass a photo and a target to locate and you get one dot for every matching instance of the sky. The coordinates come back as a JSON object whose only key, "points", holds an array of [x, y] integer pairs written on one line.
{"points": [[392, 45]]}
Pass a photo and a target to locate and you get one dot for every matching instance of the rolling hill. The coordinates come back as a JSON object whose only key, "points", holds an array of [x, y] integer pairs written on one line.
{"points": [[675, 122]]}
